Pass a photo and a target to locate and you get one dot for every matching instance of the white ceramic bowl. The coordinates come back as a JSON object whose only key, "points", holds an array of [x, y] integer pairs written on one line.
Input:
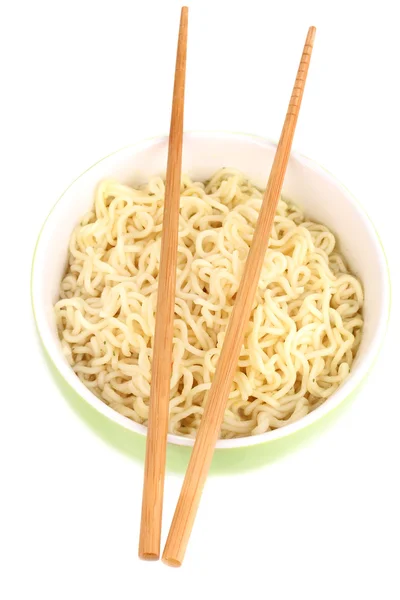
{"points": [[323, 198]]}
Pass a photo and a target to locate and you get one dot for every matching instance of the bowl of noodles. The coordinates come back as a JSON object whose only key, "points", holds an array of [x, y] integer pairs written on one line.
{"points": [[319, 315]]}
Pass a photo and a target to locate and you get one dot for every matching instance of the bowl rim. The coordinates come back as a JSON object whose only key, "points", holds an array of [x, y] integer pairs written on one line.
{"points": [[348, 387]]}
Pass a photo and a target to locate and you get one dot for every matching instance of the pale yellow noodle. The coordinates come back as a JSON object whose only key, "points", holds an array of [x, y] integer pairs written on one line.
{"points": [[304, 330]]}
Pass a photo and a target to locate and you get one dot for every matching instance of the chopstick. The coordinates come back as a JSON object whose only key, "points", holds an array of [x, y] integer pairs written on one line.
{"points": [[210, 426], [154, 470]]}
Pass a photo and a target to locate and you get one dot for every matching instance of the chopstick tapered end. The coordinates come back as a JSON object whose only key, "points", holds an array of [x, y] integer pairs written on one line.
{"points": [[184, 19], [311, 35]]}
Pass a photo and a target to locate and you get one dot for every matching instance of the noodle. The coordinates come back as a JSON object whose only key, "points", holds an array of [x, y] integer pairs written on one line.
{"points": [[304, 330]]}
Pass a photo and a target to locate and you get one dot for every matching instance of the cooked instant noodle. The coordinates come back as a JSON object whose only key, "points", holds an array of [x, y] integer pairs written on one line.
{"points": [[305, 325]]}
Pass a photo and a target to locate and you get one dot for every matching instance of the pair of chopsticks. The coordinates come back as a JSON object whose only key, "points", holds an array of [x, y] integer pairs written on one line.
{"points": [[207, 435]]}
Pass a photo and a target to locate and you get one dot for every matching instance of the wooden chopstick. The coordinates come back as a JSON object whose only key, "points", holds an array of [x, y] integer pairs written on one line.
{"points": [[154, 470], [210, 426]]}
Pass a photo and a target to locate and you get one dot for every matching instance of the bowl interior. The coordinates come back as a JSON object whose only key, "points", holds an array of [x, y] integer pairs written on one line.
{"points": [[322, 197]]}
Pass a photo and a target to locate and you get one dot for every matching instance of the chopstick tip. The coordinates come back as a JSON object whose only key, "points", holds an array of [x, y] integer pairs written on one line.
{"points": [[184, 16], [311, 34]]}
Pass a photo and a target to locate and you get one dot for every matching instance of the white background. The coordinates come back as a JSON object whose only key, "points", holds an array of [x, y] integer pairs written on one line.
{"points": [[79, 79]]}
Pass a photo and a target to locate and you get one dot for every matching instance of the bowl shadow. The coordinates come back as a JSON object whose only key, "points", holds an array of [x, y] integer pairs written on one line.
{"points": [[225, 461]]}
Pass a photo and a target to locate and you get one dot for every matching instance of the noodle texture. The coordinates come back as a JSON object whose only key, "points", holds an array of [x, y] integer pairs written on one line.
{"points": [[305, 326]]}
